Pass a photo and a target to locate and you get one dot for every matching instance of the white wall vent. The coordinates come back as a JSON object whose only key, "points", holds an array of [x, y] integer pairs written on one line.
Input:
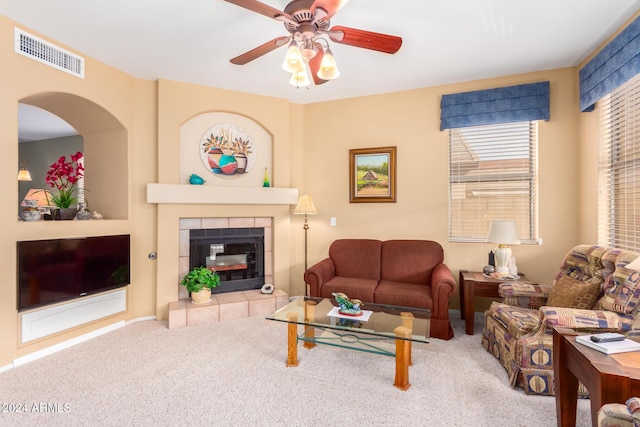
{"points": [[42, 51]]}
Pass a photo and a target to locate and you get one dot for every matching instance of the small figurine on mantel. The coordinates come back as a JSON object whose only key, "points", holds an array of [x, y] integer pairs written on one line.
{"points": [[348, 306]]}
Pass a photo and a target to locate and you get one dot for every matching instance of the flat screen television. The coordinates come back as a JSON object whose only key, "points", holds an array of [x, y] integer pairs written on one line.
{"points": [[56, 270]]}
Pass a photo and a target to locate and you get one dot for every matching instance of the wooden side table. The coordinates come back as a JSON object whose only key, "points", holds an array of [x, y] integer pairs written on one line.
{"points": [[609, 378], [474, 284]]}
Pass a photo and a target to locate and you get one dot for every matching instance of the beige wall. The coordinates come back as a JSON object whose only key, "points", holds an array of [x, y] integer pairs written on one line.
{"points": [[131, 105], [310, 152]]}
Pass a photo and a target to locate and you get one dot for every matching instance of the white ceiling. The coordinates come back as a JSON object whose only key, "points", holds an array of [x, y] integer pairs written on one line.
{"points": [[444, 41]]}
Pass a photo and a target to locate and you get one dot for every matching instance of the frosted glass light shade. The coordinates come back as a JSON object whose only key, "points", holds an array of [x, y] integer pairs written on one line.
{"points": [[293, 62], [328, 68], [300, 79]]}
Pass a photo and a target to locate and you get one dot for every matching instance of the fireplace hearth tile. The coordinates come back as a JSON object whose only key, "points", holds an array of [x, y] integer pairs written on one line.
{"points": [[200, 314], [177, 314], [235, 305], [235, 310]]}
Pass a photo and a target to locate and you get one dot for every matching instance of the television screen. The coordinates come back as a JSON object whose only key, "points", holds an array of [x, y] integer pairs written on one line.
{"points": [[51, 271]]}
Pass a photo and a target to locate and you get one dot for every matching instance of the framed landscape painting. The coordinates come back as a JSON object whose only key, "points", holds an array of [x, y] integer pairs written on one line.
{"points": [[372, 175]]}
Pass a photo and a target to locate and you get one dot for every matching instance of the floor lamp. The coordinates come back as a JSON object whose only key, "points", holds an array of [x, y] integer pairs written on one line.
{"points": [[305, 206]]}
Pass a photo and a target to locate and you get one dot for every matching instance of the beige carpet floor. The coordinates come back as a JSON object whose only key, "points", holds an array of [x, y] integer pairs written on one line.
{"points": [[233, 374]]}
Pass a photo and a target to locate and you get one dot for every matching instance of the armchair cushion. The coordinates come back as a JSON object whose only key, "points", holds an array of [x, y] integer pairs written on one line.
{"points": [[585, 319], [527, 295], [572, 293], [517, 320]]}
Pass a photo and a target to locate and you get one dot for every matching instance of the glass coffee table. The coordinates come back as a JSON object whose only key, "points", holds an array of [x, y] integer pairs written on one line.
{"points": [[379, 322]]}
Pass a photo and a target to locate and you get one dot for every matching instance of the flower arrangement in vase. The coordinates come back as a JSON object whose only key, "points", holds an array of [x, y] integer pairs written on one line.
{"points": [[63, 175]]}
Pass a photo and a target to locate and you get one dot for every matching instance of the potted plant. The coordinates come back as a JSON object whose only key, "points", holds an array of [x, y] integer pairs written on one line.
{"points": [[199, 282], [64, 175]]}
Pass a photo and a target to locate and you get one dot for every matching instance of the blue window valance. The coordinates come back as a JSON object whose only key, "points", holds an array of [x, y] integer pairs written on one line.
{"points": [[613, 66], [501, 105]]}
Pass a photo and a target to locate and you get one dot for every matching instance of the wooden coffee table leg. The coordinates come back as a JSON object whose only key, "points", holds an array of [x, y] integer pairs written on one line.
{"points": [[403, 351], [309, 317], [407, 322], [292, 340]]}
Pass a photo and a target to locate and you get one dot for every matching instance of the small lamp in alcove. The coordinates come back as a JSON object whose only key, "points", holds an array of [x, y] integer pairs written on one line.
{"points": [[305, 206], [23, 173]]}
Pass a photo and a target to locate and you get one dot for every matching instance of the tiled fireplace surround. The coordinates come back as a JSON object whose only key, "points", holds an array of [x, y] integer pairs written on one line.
{"points": [[231, 305]]}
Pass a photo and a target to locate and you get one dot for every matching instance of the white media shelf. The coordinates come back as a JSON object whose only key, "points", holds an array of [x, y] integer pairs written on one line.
{"points": [[46, 321]]}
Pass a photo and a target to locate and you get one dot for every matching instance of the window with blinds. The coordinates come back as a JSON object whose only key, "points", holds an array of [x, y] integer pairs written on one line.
{"points": [[619, 168], [492, 175]]}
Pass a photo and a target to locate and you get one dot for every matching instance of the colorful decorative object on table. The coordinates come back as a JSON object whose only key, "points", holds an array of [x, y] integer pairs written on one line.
{"points": [[348, 306], [227, 150], [265, 182], [196, 179], [64, 175]]}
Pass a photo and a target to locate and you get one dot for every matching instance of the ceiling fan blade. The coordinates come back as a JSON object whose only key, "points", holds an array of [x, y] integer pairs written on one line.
{"points": [[331, 6], [314, 66], [365, 39], [256, 6], [259, 51]]}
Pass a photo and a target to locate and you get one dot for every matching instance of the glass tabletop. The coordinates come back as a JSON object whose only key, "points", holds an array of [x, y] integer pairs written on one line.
{"points": [[377, 319]]}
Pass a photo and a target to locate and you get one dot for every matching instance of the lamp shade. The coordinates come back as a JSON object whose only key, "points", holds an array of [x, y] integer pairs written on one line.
{"points": [[42, 196], [328, 68], [24, 175], [503, 232], [305, 205]]}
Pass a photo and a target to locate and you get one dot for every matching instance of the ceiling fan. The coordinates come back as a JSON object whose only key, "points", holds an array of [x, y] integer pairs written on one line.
{"points": [[307, 21]]}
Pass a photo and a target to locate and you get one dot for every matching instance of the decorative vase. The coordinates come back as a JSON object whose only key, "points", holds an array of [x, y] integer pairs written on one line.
{"points": [[64, 213], [228, 164], [203, 295], [213, 157], [31, 214], [242, 163], [83, 213]]}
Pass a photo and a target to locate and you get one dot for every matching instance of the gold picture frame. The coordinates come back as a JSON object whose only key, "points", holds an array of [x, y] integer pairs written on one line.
{"points": [[372, 175]]}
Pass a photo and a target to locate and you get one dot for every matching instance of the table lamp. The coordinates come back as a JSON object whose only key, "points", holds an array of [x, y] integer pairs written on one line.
{"points": [[503, 233]]}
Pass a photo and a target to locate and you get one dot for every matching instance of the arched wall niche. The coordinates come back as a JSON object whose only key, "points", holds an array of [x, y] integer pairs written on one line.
{"points": [[192, 132], [106, 151]]}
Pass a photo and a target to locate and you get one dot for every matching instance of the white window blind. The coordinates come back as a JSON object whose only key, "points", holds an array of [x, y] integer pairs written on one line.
{"points": [[619, 168], [492, 175]]}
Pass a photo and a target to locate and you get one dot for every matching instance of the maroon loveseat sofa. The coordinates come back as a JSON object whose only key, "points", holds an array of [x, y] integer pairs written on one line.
{"points": [[409, 273]]}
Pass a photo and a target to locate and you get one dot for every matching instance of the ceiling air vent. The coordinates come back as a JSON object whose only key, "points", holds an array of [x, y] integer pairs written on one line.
{"points": [[42, 51]]}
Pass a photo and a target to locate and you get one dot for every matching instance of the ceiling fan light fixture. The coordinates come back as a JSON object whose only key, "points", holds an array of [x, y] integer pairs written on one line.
{"points": [[328, 68], [300, 79], [309, 50], [293, 61]]}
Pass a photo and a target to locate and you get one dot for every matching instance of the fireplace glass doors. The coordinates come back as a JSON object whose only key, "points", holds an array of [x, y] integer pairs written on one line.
{"points": [[236, 254]]}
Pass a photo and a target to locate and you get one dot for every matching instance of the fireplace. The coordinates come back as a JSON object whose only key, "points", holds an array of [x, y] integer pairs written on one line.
{"points": [[228, 231], [236, 254]]}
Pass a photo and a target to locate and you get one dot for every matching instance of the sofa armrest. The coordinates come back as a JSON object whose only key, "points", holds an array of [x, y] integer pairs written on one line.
{"points": [[525, 295], [318, 274], [585, 319], [443, 285]]}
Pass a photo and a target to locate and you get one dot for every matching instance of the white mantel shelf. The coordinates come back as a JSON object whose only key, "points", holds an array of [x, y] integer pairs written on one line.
{"points": [[210, 194]]}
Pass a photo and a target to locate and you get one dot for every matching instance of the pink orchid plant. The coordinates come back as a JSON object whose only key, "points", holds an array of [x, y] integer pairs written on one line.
{"points": [[64, 175]]}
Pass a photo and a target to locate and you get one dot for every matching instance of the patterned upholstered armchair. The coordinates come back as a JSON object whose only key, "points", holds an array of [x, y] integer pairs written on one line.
{"points": [[593, 292], [620, 415]]}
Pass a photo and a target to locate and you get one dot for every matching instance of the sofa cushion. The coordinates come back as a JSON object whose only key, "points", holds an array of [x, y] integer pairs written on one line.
{"points": [[572, 293], [353, 287], [410, 261], [356, 258], [622, 286], [403, 294]]}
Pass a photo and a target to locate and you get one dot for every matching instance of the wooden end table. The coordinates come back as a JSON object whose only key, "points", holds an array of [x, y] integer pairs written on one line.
{"points": [[475, 284], [610, 378]]}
